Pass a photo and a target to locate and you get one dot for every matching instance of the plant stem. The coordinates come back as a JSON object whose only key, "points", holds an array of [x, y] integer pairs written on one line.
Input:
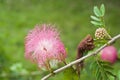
{"points": [[81, 59], [103, 22]]}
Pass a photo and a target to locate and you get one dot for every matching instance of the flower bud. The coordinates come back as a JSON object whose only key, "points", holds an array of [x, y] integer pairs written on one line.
{"points": [[101, 33], [109, 54]]}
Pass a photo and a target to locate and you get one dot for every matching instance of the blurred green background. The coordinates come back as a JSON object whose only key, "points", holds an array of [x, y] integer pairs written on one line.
{"points": [[71, 17]]}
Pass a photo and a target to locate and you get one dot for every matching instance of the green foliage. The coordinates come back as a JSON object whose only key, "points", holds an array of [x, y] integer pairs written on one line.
{"points": [[95, 18], [96, 23], [102, 10], [100, 42], [98, 19], [103, 70], [97, 11]]}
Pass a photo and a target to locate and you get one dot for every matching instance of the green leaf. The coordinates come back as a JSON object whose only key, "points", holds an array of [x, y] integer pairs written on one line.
{"points": [[107, 67], [96, 23], [97, 12], [104, 62], [103, 70], [110, 73], [95, 18], [98, 76], [102, 9]]}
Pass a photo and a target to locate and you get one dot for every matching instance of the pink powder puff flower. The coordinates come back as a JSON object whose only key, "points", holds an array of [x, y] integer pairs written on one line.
{"points": [[43, 46]]}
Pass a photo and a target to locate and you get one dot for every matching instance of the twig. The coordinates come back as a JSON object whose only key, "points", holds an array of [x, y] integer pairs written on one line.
{"points": [[79, 60]]}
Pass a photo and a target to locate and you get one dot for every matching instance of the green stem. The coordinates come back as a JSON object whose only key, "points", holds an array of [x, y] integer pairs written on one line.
{"points": [[64, 62], [103, 22], [109, 36]]}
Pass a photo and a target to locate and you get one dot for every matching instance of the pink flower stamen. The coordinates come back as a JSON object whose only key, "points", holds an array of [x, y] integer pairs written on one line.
{"points": [[43, 45]]}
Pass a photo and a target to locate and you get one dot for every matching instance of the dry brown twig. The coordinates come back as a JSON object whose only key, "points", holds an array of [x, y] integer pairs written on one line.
{"points": [[81, 59]]}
